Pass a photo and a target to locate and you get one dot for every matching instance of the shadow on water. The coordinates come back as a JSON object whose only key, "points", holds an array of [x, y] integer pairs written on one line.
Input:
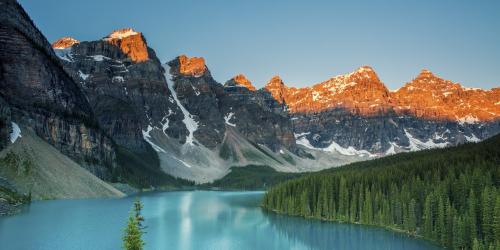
{"points": [[319, 235]]}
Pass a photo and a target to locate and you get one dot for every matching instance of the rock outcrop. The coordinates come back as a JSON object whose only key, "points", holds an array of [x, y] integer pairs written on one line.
{"points": [[130, 42], [240, 80], [5, 124], [257, 115], [199, 93]]}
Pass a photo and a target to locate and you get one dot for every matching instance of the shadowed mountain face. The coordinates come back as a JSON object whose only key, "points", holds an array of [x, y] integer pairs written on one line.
{"points": [[255, 114], [126, 88], [39, 94]]}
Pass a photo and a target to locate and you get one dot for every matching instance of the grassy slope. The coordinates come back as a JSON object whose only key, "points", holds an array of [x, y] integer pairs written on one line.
{"points": [[33, 166]]}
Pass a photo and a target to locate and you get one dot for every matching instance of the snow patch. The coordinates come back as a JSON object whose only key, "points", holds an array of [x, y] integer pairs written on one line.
{"points": [[189, 121], [469, 119], [166, 121], [147, 137], [64, 54], [16, 132], [391, 150], [315, 95], [117, 79], [82, 75], [299, 135], [416, 144], [471, 89], [334, 147], [472, 138], [228, 117], [446, 94], [99, 58], [120, 34], [196, 91]]}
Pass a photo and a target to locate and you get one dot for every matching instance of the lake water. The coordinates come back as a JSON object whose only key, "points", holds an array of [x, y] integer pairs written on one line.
{"points": [[186, 220]]}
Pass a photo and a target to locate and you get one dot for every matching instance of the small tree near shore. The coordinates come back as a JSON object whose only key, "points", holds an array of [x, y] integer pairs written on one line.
{"points": [[132, 240]]}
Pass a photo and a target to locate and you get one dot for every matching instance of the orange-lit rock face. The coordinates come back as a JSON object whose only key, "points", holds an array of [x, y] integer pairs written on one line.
{"points": [[278, 89], [130, 42], [64, 42], [194, 66], [429, 96], [243, 81], [361, 92]]}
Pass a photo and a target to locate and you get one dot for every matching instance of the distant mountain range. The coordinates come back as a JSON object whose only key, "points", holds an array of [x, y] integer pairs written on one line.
{"points": [[113, 108]]}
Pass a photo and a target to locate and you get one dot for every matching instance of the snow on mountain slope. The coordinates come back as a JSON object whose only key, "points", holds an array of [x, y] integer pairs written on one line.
{"points": [[189, 121]]}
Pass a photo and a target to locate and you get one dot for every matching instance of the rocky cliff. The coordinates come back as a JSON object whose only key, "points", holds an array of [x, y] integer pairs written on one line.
{"points": [[125, 85], [254, 114], [42, 96]]}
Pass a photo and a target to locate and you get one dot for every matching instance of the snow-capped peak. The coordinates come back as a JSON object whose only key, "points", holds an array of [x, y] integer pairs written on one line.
{"points": [[122, 33], [65, 42]]}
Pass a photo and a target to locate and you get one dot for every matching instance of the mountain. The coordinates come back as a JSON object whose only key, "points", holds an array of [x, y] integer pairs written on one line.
{"points": [[355, 114], [115, 110], [124, 83], [198, 128], [175, 119], [51, 142]]}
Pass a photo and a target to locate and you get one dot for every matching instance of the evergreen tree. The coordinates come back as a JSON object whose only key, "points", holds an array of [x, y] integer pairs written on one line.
{"points": [[496, 219], [412, 216], [132, 240]]}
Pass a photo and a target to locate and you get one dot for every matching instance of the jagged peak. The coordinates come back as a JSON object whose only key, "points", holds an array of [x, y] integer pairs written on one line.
{"points": [[427, 78], [365, 68], [275, 81], [425, 73], [191, 66], [122, 33], [131, 42], [64, 42], [241, 80], [364, 74]]}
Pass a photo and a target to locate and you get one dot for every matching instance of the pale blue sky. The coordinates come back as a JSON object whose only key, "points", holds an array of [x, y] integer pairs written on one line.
{"points": [[304, 42]]}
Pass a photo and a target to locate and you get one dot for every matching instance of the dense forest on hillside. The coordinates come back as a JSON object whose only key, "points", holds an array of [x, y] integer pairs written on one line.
{"points": [[251, 177], [450, 196]]}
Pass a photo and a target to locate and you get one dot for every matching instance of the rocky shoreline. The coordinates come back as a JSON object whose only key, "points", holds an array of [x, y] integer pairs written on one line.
{"points": [[8, 209]]}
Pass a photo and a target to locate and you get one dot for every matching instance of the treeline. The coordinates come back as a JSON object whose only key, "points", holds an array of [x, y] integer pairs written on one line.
{"points": [[450, 196], [251, 177]]}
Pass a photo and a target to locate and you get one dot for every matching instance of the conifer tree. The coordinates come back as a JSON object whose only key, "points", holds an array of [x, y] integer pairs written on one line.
{"points": [[132, 239]]}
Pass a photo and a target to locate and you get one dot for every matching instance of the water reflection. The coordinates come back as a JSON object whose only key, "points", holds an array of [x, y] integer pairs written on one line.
{"points": [[186, 220], [317, 234]]}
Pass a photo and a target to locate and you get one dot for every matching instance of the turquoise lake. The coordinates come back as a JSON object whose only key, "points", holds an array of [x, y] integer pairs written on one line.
{"points": [[187, 220]]}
